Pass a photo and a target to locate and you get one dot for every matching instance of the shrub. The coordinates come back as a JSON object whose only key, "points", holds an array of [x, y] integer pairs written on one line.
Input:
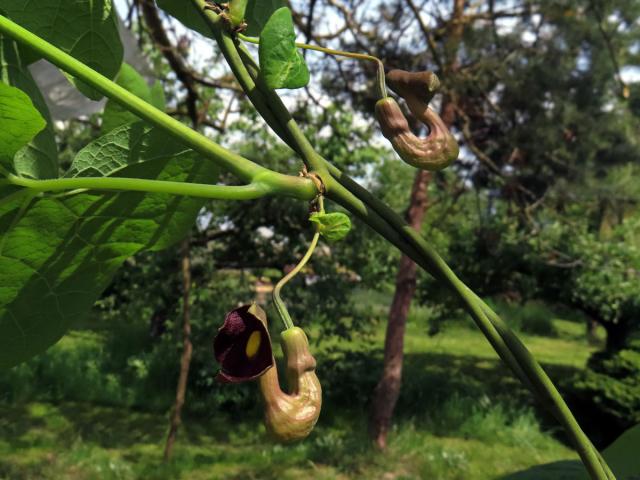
{"points": [[532, 317], [607, 394]]}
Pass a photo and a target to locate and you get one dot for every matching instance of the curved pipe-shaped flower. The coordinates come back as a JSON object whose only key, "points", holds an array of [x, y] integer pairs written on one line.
{"points": [[291, 416], [243, 348], [435, 151]]}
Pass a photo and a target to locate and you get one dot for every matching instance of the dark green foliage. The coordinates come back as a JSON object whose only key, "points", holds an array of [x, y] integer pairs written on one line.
{"points": [[141, 314], [580, 251], [607, 394], [531, 317]]}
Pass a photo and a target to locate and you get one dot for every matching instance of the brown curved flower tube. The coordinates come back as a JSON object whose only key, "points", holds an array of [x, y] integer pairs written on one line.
{"points": [[435, 151], [291, 416]]}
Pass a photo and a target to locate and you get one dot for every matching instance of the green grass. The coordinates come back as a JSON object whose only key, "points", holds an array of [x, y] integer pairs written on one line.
{"points": [[461, 415], [77, 441]]}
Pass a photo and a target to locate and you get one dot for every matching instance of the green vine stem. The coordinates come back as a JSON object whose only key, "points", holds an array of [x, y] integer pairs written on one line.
{"points": [[216, 192], [343, 190], [266, 100], [245, 169], [277, 300], [380, 79]]}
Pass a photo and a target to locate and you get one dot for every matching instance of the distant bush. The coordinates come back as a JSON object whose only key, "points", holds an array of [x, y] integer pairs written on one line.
{"points": [[532, 317], [607, 394], [72, 370]]}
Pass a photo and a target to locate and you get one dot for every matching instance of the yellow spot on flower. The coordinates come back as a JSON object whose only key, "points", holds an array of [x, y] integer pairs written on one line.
{"points": [[253, 344]]}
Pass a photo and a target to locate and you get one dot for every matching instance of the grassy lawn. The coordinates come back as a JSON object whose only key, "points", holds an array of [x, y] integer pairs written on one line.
{"points": [[460, 416], [78, 441]]}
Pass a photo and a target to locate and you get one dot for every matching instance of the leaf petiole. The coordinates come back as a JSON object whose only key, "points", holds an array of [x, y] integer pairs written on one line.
{"points": [[218, 192], [380, 81]]}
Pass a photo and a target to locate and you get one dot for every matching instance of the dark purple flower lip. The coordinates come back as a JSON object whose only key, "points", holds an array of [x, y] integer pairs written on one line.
{"points": [[242, 345]]}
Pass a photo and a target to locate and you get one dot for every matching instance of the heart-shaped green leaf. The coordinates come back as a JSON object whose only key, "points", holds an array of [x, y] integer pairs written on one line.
{"points": [[258, 13], [333, 226], [39, 158], [59, 252], [86, 29], [281, 65], [19, 123]]}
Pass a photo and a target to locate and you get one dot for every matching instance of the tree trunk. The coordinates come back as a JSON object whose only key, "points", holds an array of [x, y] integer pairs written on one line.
{"points": [[592, 331], [387, 390], [187, 350]]}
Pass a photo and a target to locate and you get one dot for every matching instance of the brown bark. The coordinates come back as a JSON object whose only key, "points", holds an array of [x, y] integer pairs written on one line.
{"points": [[592, 331], [187, 350], [387, 390]]}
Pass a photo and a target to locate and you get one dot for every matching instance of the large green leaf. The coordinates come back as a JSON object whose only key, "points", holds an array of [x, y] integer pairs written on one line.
{"points": [[281, 65], [158, 98], [60, 252], [126, 145], [114, 114], [86, 29], [19, 123], [184, 11], [621, 456], [258, 13], [38, 159]]}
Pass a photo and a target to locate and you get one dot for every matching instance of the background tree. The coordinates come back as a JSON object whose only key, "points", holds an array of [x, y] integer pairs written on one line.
{"points": [[539, 101]]}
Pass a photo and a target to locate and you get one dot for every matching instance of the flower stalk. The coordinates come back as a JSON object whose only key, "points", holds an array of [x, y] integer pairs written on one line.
{"points": [[281, 307]]}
